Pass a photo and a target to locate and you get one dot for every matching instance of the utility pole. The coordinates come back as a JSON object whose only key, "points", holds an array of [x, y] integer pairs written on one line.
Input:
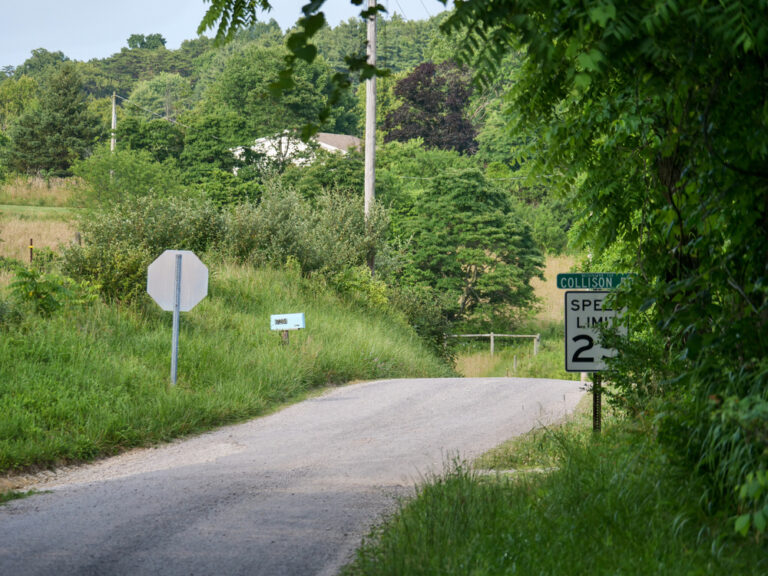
{"points": [[114, 122], [370, 126]]}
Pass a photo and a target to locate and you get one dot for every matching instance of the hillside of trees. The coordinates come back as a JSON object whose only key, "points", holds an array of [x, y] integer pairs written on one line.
{"points": [[459, 231]]}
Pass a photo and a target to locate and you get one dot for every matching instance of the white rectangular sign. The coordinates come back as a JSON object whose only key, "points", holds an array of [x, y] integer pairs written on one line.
{"points": [[287, 321], [585, 313]]}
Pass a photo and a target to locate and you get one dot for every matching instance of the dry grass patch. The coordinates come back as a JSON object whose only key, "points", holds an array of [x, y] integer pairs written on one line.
{"points": [[476, 365], [39, 191], [552, 302], [15, 234]]}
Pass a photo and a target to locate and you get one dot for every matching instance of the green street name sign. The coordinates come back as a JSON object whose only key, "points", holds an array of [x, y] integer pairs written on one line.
{"points": [[590, 281]]}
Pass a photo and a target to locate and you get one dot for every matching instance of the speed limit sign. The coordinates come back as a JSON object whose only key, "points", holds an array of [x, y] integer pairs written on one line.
{"points": [[585, 314]]}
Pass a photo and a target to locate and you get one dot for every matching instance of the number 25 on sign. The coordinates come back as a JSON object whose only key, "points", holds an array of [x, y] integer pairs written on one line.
{"points": [[585, 314]]}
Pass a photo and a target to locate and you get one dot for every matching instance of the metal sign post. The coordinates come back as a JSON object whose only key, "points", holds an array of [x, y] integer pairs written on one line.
{"points": [[597, 406], [178, 289], [585, 314], [176, 314]]}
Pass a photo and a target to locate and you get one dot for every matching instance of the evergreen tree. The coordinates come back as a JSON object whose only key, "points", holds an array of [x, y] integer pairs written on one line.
{"points": [[468, 242], [48, 138]]}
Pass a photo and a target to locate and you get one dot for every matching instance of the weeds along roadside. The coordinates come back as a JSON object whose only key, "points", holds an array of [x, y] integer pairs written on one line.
{"points": [[85, 354], [515, 357], [576, 503], [92, 380]]}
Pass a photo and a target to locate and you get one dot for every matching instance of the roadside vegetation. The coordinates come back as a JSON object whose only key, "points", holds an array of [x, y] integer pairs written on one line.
{"points": [[93, 379], [562, 500]]}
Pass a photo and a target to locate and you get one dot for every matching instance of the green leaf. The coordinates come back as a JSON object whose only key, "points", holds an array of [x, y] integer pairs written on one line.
{"points": [[601, 14], [582, 80], [742, 524], [312, 24], [759, 521]]}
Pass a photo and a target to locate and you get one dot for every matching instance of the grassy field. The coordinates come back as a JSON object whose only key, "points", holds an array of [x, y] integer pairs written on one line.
{"points": [[31, 191], [563, 501], [94, 380], [552, 306], [38, 210], [45, 229], [516, 358]]}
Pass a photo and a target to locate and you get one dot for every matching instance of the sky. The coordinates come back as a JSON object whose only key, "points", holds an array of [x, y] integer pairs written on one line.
{"points": [[86, 29]]}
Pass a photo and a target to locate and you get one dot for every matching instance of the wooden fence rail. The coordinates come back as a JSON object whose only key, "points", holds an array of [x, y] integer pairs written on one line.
{"points": [[492, 336]]}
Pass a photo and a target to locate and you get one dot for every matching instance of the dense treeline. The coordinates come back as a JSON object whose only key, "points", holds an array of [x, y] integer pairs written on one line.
{"points": [[457, 235]]}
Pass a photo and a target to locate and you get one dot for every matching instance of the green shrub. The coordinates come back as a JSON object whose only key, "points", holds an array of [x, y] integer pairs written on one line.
{"points": [[327, 237], [44, 292], [357, 284], [430, 313], [123, 174], [224, 188], [121, 241], [270, 232]]}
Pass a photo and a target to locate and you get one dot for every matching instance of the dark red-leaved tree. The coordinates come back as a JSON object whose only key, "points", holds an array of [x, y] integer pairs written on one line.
{"points": [[434, 98]]}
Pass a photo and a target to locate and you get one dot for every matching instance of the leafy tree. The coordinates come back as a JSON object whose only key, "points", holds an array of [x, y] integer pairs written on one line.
{"points": [[434, 100], [468, 242], [401, 45], [208, 141], [161, 138], [227, 189], [116, 176], [163, 95], [654, 112], [16, 96], [48, 138], [400, 42], [149, 42], [41, 64], [330, 172], [404, 172], [346, 39], [243, 89], [121, 71], [227, 16]]}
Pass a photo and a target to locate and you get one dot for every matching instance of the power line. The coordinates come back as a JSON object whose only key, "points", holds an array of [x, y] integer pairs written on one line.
{"points": [[169, 120], [425, 8], [402, 11]]}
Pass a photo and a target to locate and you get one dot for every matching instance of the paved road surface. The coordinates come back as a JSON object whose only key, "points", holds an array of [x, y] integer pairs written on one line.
{"points": [[291, 493]]}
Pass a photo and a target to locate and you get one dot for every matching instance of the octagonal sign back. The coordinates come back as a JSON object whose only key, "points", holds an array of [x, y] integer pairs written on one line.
{"points": [[161, 278]]}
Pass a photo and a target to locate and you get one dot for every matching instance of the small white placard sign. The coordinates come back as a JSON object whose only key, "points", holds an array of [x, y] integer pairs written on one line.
{"points": [[287, 321]]}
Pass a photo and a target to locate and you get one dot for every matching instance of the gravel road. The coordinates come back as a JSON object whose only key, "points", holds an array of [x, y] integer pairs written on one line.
{"points": [[288, 494]]}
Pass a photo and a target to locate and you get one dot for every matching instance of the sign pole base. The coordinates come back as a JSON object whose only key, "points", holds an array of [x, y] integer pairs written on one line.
{"points": [[597, 407]]}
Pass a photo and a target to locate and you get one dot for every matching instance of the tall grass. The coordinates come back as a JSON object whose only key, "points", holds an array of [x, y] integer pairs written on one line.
{"points": [[611, 505], [16, 232], [93, 381], [34, 191], [515, 358]]}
